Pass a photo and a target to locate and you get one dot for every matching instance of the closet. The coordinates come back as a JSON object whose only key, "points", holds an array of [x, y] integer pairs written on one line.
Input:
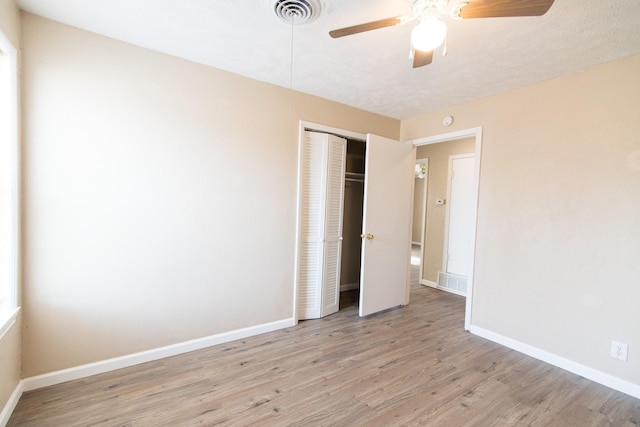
{"points": [[352, 217], [333, 191], [338, 201]]}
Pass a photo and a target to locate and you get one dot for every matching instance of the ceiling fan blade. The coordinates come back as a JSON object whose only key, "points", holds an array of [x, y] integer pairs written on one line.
{"points": [[422, 58], [505, 8], [347, 31]]}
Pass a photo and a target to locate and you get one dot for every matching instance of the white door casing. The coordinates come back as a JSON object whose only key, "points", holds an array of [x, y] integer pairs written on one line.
{"points": [[423, 219], [386, 228]]}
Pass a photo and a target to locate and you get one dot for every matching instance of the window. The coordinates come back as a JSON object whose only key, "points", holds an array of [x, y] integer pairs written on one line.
{"points": [[8, 185]]}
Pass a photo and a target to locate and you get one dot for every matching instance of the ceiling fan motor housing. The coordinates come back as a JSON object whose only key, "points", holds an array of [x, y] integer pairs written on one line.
{"points": [[428, 8]]}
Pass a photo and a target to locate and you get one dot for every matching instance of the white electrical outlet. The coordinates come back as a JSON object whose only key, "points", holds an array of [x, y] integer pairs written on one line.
{"points": [[619, 350]]}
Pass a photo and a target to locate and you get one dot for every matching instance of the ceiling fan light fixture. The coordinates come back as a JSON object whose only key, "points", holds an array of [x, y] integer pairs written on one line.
{"points": [[429, 34]]}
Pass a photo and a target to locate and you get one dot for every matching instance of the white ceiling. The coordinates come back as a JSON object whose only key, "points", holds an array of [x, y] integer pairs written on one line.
{"points": [[370, 70]]}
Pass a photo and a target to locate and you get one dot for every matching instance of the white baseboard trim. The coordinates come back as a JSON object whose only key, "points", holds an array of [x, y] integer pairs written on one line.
{"points": [[569, 365], [442, 288], [429, 283], [108, 365], [349, 286], [11, 404]]}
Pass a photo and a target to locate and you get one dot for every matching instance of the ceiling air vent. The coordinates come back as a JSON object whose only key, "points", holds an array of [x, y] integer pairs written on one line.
{"points": [[296, 11]]}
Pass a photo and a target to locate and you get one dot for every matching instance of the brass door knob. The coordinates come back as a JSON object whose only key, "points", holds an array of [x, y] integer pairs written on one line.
{"points": [[367, 236]]}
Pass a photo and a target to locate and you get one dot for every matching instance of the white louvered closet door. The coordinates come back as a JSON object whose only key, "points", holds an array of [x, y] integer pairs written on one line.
{"points": [[324, 159], [312, 225], [336, 160]]}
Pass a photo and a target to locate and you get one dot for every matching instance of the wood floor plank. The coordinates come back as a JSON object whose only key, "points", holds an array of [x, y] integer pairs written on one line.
{"points": [[409, 366]]}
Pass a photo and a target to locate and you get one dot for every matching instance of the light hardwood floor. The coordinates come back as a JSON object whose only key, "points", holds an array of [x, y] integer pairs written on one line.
{"points": [[409, 366]]}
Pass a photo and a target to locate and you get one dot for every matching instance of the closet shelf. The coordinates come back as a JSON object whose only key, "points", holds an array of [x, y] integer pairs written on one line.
{"points": [[353, 176]]}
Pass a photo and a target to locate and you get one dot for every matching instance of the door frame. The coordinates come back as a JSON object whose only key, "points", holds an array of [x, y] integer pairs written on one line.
{"points": [[476, 133], [423, 220], [302, 126]]}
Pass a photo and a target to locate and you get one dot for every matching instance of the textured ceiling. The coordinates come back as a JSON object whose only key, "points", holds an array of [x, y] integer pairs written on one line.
{"points": [[371, 70]]}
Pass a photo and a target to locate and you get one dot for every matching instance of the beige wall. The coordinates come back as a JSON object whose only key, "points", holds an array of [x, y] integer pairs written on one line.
{"points": [[438, 155], [10, 21], [10, 343], [558, 239], [160, 196]]}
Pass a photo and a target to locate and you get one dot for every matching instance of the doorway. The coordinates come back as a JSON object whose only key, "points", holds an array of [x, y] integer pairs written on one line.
{"points": [[352, 224], [475, 134], [420, 189]]}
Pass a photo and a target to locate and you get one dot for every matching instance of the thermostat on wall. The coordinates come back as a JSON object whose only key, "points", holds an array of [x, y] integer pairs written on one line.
{"points": [[447, 121]]}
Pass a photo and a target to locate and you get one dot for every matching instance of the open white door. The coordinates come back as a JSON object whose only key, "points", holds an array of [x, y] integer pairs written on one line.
{"points": [[386, 226], [460, 215]]}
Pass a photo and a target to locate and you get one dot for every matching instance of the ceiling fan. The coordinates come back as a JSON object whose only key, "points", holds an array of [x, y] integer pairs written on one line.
{"points": [[430, 31]]}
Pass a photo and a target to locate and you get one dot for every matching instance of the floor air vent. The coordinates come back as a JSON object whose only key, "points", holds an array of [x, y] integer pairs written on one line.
{"points": [[452, 282]]}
